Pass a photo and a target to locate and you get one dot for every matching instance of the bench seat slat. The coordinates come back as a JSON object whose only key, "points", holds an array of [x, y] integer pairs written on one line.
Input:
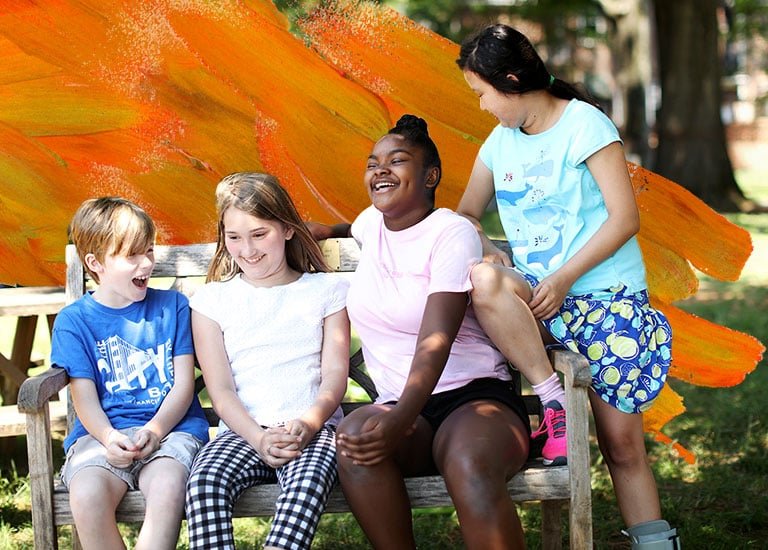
{"points": [[535, 482]]}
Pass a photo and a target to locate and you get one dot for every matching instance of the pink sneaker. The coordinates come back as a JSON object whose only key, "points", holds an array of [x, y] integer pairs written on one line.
{"points": [[555, 451]]}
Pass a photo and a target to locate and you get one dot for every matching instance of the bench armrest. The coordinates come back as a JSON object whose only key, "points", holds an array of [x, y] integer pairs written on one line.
{"points": [[357, 374], [574, 366], [38, 390]]}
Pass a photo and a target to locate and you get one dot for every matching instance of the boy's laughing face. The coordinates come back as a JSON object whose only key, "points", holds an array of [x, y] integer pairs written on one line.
{"points": [[123, 278]]}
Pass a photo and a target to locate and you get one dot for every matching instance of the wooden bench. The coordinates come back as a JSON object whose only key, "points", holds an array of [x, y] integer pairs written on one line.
{"points": [[553, 486], [26, 304]]}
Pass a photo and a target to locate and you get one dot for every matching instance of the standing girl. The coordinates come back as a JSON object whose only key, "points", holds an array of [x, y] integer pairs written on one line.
{"points": [[556, 167], [272, 336]]}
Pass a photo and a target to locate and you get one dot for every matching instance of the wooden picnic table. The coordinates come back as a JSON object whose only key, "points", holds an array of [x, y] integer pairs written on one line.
{"points": [[26, 304]]}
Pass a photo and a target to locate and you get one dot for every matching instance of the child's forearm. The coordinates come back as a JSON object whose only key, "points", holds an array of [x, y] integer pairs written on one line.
{"points": [[231, 410], [85, 399], [176, 403], [322, 231], [327, 402], [334, 369]]}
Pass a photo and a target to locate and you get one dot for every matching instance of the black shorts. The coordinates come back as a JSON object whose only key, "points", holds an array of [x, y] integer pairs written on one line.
{"points": [[441, 405]]}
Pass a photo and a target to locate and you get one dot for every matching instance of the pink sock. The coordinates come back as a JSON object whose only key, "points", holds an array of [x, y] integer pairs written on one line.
{"points": [[550, 390]]}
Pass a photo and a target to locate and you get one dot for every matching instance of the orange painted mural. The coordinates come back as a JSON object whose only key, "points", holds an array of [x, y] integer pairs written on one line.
{"points": [[159, 99]]}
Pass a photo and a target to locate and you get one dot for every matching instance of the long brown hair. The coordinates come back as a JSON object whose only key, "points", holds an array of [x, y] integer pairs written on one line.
{"points": [[262, 196]]}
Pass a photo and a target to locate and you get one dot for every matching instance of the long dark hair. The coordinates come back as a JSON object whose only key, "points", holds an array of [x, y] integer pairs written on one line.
{"points": [[499, 50], [415, 131]]}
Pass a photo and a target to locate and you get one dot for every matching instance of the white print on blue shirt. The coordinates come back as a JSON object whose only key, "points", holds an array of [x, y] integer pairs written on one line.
{"points": [[123, 367]]}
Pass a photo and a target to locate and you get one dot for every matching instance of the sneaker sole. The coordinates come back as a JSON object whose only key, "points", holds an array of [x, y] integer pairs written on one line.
{"points": [[557, 461]]}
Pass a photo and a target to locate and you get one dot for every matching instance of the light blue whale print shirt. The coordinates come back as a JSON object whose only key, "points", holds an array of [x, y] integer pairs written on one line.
{"points": [[550, 204]]}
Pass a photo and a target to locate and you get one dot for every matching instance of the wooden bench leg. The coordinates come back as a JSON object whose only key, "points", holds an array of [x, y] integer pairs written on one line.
{"points": [[41, 479], [551, 533]]}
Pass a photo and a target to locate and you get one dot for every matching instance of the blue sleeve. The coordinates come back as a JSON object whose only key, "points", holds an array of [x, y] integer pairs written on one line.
{"points": [[488, 148], [183, 341], [69, 349], [594, 132]]}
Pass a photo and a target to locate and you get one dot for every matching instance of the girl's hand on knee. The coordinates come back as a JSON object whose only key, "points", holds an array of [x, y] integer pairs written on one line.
{"points": [[378, 439], [494, 255], [302, 430], [548, 297], [278, 447]]}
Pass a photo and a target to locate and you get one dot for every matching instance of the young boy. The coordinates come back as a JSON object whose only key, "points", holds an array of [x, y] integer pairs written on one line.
{"points": [[128, 351]]}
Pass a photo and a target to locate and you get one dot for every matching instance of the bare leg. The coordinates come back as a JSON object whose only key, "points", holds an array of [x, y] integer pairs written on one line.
{"points": [[622, 443], [376, 494], [94, 494], [500, 302], [163, 483], [478, 448]]}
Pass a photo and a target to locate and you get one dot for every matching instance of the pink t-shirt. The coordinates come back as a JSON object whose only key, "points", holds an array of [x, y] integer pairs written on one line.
{"points": [[388, 293]]}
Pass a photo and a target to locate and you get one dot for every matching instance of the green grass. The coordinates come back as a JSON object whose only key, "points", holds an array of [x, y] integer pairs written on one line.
{"points": [[720, 502]]}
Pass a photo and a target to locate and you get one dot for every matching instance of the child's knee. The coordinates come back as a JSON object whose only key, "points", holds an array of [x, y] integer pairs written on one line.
{"points": [[88, 497], [489, 280], [486, 280], [166, 481], [624, 451]]}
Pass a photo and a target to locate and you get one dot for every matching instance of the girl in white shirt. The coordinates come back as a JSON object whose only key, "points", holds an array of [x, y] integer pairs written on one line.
{"points": [[272, 336]]}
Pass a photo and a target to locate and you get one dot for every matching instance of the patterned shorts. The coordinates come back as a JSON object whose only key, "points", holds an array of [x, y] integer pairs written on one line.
{"points": [[628, 343]]}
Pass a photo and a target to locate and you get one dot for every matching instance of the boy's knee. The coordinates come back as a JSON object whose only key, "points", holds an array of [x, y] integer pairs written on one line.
{"points": [[91, 498]]}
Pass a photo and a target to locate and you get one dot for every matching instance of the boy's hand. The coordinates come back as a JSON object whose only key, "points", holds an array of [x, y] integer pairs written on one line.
{"points": [[146, 442], [121, 451]]}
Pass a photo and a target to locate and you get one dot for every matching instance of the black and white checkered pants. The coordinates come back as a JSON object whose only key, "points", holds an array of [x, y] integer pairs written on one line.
{"points": [[227, 466]]}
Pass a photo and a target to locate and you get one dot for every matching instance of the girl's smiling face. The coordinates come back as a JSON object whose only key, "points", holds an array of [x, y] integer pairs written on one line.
{"points": [[507, 108], [397, 182], [258, 247]]}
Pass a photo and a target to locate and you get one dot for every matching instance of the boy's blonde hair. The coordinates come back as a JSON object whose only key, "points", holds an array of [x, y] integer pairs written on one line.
{"points": [[262, 196], [110, 225]]}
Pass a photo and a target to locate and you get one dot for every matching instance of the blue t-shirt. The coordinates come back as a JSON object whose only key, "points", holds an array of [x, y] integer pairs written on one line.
{"points": [[128, 353], [550, 204]]}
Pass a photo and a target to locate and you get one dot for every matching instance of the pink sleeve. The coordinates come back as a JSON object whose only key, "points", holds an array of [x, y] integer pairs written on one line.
{"points": [[456, 251]]}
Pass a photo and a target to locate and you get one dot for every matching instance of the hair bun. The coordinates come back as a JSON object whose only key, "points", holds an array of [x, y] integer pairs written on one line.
{"points": [[412, 123]]}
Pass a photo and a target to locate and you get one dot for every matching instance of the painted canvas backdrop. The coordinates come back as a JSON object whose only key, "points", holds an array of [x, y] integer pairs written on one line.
{"points": [[157, 100]]}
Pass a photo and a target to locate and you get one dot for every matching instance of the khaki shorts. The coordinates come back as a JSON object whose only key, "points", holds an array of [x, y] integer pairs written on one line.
{"points": [[87, 452]]}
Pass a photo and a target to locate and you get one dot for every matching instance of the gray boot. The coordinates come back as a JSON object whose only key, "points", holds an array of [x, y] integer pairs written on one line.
{"points": [[653, 535]]}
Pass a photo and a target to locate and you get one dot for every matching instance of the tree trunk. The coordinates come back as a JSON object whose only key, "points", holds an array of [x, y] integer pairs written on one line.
{"points": [[632, 54], [692, 147]]}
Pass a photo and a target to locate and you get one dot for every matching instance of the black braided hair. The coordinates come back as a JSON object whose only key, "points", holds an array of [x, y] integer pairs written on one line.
{"points": [[414, 129]]}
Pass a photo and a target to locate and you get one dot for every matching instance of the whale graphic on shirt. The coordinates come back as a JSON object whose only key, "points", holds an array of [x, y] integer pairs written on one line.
{"points": [[512, 197], [542, 214], [544, 257], [538, 170]]}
